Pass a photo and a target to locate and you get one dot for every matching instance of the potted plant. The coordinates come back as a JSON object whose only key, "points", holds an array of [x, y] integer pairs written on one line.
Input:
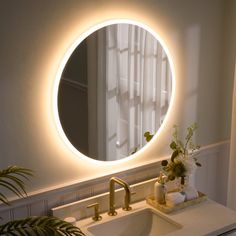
{"points": [[183, 161], [12, 179]]}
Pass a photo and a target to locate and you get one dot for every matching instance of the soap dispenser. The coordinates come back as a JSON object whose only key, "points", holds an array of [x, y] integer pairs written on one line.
{"points": [[160, 189]]}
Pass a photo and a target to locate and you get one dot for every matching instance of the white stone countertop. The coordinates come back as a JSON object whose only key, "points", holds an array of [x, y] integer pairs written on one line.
{"points": [[206, 218]]}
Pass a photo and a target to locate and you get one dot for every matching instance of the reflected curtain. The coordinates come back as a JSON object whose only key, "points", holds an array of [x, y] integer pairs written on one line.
{"points": [[138, 88]]}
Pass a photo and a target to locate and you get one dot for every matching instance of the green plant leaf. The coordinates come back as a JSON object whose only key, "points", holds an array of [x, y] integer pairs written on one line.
{"points": [[198, 164], [174, 155], [164, 163], [10, 179], [44, 225], [173, 145], [148, 136], [11, 187], [3, 199], [171, 177], [178, 169]]}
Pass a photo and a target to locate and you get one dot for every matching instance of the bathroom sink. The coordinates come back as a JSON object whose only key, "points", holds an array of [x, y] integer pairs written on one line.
{"points": [[144, 222]]}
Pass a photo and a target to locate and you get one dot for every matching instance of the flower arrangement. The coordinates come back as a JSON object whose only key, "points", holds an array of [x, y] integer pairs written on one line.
{"points": [[183, 161]]}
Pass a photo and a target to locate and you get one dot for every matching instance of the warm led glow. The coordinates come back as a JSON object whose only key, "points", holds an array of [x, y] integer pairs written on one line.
{"points": [[60, 71]]}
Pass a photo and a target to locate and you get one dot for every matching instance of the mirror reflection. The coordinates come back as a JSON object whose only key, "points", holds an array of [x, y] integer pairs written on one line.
{"points": [[115, 86]]}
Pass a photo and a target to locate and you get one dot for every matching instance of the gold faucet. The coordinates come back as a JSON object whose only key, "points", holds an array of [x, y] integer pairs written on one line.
{"points": [[127, 199]]}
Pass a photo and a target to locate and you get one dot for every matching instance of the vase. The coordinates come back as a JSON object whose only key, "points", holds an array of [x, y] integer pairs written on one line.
{"points": [[185, 182]]}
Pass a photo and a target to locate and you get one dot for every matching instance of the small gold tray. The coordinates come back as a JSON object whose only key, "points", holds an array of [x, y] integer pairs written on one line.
{"points": [[166, 209]]}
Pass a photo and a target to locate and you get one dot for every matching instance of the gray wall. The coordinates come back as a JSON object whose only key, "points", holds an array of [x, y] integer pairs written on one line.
{"points": [[35, 36]]}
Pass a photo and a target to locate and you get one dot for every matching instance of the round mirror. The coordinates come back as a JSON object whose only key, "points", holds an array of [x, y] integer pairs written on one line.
{"points": [[116, 86]]}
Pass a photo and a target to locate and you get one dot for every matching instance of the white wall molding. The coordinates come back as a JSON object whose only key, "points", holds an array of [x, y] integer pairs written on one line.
{"points": [[232, 160], [211, 178]]}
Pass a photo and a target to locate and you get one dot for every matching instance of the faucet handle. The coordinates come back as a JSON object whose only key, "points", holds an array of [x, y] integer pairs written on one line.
{"points": [[96, 216]]}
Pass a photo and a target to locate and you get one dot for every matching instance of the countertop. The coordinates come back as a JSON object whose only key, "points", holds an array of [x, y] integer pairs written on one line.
{"points": [[206, 218]]}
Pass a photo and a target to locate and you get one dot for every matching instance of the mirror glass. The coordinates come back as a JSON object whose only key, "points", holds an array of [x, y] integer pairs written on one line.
{"points": [[116, 85]]}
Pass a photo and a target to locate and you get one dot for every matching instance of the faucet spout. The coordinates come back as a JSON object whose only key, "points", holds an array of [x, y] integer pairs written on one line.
{"points": [[127, 199]]}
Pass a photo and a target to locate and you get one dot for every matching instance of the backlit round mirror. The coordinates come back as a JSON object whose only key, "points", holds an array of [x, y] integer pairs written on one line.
{"points": [[116, 85]]}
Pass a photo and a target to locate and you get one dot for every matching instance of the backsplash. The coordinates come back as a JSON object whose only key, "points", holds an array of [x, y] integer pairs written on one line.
{"points": [[211, 179], [79, 210]]}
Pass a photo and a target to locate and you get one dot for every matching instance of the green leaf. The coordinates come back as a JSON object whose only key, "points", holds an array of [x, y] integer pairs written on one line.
{"points": [[3, 199], [174, 155], [164, 163], [171, 177], [11, 187], [44, 225], [173, 145], [12, 234], [148, 136], [198, 164], [11, 179], [18, 182], [20, 232]]}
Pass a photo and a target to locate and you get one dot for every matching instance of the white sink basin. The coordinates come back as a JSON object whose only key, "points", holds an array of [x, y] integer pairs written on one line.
{"points": [[144, 222]]}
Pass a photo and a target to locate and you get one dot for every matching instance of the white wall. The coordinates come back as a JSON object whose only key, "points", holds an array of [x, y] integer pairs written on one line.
{"points": [[36, 34], [228, 56]]}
